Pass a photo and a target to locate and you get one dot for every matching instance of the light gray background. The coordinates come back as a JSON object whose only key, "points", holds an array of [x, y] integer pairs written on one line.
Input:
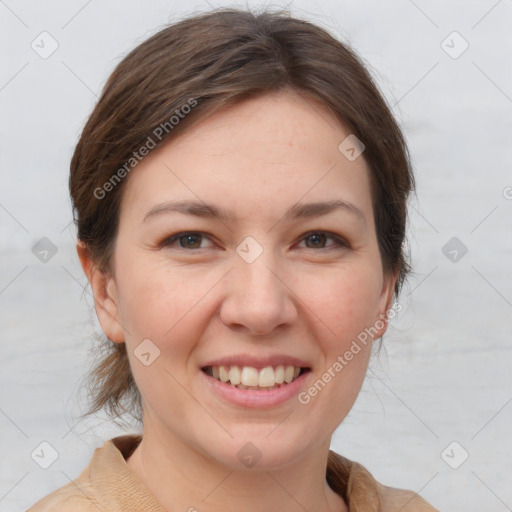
{"points": [[447, 374]]}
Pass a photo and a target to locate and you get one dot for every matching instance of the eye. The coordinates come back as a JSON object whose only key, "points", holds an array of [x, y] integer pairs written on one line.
{"points": [[188, 240], [317, 240]]}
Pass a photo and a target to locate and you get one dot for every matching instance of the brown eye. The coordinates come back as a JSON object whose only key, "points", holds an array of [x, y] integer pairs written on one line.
{"points": [[317, 240], [184, 241], [191, 240]]}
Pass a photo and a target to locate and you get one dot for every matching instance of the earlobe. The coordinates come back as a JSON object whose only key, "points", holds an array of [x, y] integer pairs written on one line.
{"points": [[105, 295]]}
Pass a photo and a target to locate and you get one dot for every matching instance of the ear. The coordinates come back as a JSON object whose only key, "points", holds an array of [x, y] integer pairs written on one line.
{"points": [[105, 295], [384, 303]]}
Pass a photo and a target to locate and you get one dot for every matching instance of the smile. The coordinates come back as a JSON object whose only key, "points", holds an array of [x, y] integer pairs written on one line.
{"points": [[251, 378]]}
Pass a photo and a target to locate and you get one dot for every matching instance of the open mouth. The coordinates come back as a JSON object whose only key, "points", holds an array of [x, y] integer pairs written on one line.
{"points": [[250, 378]]}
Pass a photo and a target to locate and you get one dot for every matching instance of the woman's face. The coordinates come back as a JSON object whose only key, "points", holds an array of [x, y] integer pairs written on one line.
{"points": [[223, 259]]}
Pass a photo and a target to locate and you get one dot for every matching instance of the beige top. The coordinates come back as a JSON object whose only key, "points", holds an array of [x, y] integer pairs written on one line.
{"points": [[107, 484]]}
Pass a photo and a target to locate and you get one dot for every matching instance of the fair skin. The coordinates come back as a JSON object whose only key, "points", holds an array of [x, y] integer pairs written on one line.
{"points": [[199, 301]]}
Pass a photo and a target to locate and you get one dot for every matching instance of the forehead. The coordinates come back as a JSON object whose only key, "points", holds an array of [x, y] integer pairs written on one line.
{"points": [[258, 157]]}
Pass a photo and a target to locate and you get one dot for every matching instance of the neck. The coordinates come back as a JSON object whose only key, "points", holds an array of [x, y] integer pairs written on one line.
{"points": [[180, 477]]}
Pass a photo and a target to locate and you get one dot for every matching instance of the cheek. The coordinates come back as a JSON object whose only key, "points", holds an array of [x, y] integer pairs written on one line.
{"points": [[157, 302], [344, 301], [163, 305], [346, 305], [170, 305]]}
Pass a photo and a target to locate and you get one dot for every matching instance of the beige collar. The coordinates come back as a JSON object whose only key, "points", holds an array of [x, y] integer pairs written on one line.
{"points": [[119, 489]]}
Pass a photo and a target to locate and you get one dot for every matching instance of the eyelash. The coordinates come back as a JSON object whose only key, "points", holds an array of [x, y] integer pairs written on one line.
{"points": [[339, 242]]}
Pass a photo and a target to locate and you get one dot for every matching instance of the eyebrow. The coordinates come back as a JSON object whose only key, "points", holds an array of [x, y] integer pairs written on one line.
{"points": [[299, 210]]}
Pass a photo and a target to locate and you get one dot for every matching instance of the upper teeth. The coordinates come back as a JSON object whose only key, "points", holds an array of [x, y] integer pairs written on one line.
{"points": [[249, 376]]}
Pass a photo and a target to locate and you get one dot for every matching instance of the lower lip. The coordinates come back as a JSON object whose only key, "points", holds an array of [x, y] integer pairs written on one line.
{"points": [[253, 398]]}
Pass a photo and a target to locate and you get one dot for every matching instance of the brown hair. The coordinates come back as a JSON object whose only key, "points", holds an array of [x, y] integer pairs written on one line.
{"points": [[217, 59]]}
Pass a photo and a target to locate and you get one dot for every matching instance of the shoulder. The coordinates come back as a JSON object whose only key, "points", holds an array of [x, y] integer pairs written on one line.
{"points": [[76, 496], [363, 492], [107, 483], [65, 501], [391, 499], [83, 493], [400, 499]]}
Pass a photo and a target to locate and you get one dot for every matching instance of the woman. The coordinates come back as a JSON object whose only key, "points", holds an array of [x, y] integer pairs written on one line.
{"points": [[240, 196]]}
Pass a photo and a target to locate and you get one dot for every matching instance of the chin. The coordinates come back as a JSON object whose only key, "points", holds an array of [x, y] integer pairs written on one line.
{"points": [[261, 449]]}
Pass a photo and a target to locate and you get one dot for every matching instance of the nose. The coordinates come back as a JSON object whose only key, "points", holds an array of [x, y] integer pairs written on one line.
{"points": [[258, 297]]}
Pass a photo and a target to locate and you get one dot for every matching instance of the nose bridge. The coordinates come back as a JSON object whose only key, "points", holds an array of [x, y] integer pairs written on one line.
{"points": [[257, 279], [257, 297]]}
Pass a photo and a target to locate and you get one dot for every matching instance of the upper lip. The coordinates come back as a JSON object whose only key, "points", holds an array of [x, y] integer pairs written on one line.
{"points": [[257, 361]]}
